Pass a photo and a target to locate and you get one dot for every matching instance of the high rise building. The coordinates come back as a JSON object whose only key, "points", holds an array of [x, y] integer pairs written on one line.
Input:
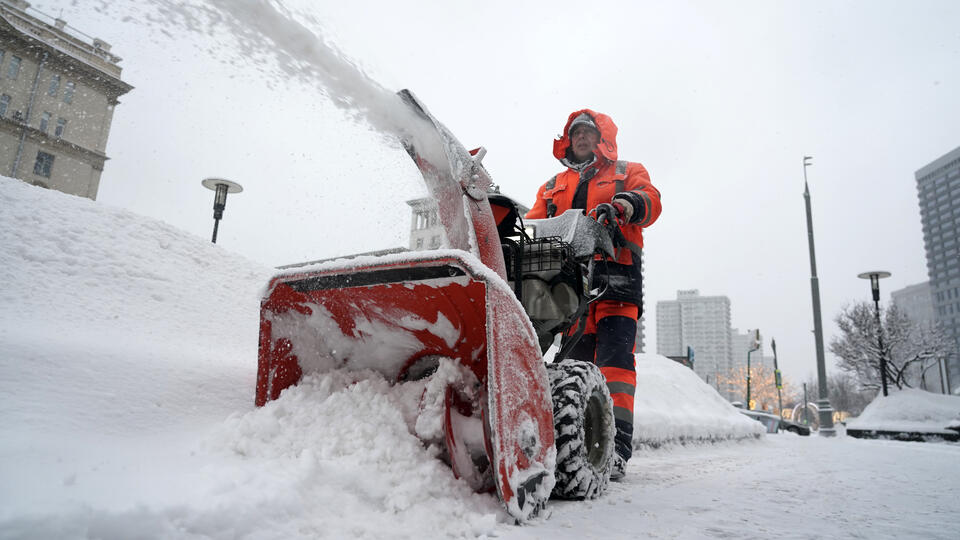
{"points": [[701, 322], [58, 90], [938, 189]]}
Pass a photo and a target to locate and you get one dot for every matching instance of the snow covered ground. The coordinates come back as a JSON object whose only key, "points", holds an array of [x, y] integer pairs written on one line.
{"points": [[127, 366], [784, 486]]}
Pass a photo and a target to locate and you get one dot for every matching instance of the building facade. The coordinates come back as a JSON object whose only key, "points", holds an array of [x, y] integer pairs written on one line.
{"points": [[916, 302], [58, 92], [938, 190], [701, 322], [426, 231]]}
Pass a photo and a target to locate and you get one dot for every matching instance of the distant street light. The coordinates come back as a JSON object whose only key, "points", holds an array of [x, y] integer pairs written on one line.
{"points": [[874, 277], [825, 411], [777, 378], [221, 187], [755, 346]]}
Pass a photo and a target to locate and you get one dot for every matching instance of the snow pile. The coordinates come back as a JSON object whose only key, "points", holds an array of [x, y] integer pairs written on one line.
{"points": [[910, 410], [114, 321], [673, 405], [335, 453], [70, 265]]}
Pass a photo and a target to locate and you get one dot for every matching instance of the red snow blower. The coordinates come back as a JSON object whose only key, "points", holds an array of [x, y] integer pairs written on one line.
{"points": [[475, 318]]}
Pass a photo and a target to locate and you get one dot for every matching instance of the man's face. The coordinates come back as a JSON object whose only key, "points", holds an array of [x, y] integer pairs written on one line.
{"points": [[584, 141]]}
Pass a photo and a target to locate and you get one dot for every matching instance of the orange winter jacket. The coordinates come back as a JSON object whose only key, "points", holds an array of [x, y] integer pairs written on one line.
{"points": [[601, 183]]}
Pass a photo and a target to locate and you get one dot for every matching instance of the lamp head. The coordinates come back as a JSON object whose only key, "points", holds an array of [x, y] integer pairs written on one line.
{"points": [[874, 276], [221, 187], [220, 199]]}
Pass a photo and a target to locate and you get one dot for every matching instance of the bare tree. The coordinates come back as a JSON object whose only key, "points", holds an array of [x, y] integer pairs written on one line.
{"points": [[846, 394], [906, 346]]}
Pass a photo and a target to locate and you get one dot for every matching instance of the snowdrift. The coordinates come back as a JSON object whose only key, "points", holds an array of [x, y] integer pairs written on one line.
{"points": [[673, 405], [127, 367], [910, 410]]}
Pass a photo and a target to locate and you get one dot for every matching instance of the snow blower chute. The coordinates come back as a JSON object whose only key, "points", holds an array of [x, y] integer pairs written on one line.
{"points": [[470, 323]]}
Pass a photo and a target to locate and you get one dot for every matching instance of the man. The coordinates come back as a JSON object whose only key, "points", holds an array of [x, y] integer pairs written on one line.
{"points": [[593, 176]]}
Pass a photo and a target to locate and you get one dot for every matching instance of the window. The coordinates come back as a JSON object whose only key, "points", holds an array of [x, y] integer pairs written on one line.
{"points": [[68, 90], [4, 104], [44, 164], [61, 125], [54, 85], [14, 68], [44, 121], [423, 220], [419, 243]]}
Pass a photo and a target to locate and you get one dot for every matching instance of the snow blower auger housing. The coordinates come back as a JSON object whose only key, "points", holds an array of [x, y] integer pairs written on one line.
{"points": [[407, 315]]}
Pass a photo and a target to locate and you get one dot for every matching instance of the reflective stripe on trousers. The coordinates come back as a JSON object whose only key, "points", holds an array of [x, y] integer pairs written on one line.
{"points": [[608, 341]]}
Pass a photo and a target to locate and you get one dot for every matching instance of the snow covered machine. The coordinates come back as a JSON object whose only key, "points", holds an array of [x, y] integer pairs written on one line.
{"points": [[468, 323]]}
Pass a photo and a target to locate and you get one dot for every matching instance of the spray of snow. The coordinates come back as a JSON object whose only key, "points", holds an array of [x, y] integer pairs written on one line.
{"points": [[265, 33]]}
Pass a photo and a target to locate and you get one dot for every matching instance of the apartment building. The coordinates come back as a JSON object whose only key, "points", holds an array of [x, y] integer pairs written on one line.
{"points": [[58, 91], [938, 191], [701, 322]]}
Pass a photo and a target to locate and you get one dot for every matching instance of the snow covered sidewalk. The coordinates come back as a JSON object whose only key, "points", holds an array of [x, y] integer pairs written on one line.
{"points": [[781, 486]]}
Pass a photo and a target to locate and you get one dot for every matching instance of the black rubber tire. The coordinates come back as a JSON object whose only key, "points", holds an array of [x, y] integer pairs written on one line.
{"points": [[584, 427]]}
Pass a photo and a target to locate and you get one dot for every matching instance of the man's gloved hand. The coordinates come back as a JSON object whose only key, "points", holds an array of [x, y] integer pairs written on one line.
{"points": [[623, 207]]}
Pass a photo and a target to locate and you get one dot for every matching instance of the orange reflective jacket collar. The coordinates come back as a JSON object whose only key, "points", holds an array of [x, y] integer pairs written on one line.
{"points": [[608, 136]]}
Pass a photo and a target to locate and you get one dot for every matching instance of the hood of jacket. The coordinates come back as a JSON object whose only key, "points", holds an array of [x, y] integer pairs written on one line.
{"points": [[607, 149]]}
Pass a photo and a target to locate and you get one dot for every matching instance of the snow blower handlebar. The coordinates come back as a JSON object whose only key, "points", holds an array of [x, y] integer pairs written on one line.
{"points": [[606, 215]]}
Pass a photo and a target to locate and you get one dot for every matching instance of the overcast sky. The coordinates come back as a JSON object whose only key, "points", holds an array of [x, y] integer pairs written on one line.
{"points": [[719, 100]]}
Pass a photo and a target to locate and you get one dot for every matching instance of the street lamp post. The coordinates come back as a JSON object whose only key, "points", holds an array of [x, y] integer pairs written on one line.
{"points": [[777, 378], [221, 187], [753, 347], [823, 404], [923, 375], [875, 276], [806, 407]]}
